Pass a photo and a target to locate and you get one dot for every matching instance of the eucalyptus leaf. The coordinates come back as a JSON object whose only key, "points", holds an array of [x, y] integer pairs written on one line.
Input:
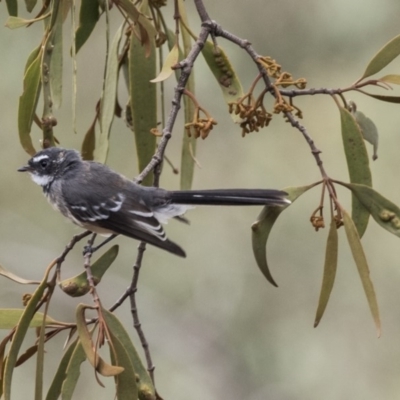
{"points": [[72, 372], [262, 227], [12, 7], [384, 57], [88, 16], [61, 374], [170, 61], [226, 76], [357, 164], [384, 212], [395, 79], [368, 130], [10, 317], [188, 143], [362, 267], [28, 101], [388, 99], [145, 385], [20, 332], [126, 386], [92, 355], [79, 285], [330, 266], [143, 101], [108, 99]]}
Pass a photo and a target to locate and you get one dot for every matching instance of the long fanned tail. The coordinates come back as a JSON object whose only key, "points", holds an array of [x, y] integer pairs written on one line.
{"points": [[229, 197]]}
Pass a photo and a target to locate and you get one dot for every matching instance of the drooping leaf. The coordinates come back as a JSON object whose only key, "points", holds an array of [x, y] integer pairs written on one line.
{"points": [[143, 101], [30, 5], [20, 332], [12, 7], [89, 142], [60, 376], [4, 272], [395, 79], [17, 22], [144, 382], [188, 143], [226, 76], [92, 355], [262, 227], [384, 212], [88, 16], [357, 164], [169, 62], [384, 57], [56, 61], [79, 285], [108, 98], [126, 386], [10, 317], [72, 372], [28, 101], [330, 266], [362, 267], [368, 130], [388, 99], [139, 17]]}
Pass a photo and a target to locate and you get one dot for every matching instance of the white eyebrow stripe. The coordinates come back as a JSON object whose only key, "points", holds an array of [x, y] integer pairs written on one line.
{"points": [[39, 158]]}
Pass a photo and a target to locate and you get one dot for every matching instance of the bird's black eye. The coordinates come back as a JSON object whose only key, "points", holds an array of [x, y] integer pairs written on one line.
{"points": [[44, 163]]}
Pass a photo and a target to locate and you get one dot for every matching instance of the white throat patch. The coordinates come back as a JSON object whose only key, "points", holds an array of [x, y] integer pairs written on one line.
{"points": [[41, 180]]}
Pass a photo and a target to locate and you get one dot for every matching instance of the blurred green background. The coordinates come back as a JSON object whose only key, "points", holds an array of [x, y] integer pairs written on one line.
{"points": [[216, 328]]}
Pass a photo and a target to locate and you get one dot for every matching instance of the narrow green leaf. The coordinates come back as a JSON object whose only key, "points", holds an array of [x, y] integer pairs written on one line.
{"points": [[170, 61], [384, 57], [28, 102], [362, 267], [144, 382], [388, 99], [384, 212], [20, 332], [226, 76], [395, 79], [188, 143], [16, 22], [368, 130], [12, 7], [331, 257], [79, 285], [126, 381], [60, 376], [108, 98], [357, 164], [10, 317], [137, 16], [89, 143], [143, 101], [30, 5], [72, 372], [262, 227], [56, 61], [40, 360], [88, 16], [92, 355], [4, 272]]}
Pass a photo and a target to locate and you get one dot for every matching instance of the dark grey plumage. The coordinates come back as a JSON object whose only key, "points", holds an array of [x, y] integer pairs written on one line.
{"points": [[103, 201]]}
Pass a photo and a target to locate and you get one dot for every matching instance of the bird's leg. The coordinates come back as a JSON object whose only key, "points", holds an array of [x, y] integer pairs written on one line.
{"points": [[91, 249]]}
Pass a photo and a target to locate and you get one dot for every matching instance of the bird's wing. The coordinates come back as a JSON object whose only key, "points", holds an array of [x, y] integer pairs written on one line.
{"points": [[99, 208]]}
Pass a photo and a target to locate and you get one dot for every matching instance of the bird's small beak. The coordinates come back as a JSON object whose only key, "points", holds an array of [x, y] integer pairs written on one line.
{"points": [[25, 168]]}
